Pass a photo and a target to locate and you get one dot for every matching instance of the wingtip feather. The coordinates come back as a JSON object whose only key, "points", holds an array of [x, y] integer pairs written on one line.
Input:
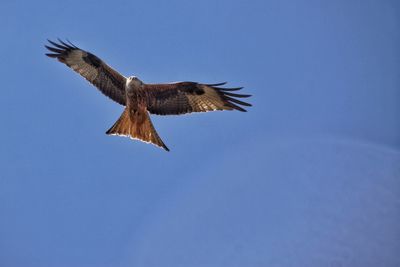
{"points": [[216, 84], [74, 46], [237, 101], [55, 50], [231, 105], [236, 95]]}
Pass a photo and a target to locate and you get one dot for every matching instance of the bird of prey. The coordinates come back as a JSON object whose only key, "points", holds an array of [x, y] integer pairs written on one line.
{"points": [[141, 98]]}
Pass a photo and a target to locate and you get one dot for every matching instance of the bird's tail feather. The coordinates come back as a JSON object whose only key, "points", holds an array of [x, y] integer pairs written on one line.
{"points": [[137, 126]]}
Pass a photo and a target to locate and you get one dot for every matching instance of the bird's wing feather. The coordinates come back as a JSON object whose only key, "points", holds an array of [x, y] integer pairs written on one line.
{"points": [[186, 97], [107, 80]]}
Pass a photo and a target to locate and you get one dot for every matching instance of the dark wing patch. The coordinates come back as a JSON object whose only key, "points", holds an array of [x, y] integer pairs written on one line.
{"points": [[92, 60], [92, 68], [186, 97]]}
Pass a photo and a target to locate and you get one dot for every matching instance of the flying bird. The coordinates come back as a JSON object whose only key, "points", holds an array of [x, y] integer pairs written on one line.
{"points": [[141, 98]]}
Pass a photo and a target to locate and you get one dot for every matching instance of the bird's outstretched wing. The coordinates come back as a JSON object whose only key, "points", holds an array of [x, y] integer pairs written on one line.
{"points": [[186, 97], [92, 68]]}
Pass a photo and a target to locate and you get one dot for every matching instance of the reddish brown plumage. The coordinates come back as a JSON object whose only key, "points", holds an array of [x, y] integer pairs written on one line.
{"points": [[161, 99], [136, 125]]}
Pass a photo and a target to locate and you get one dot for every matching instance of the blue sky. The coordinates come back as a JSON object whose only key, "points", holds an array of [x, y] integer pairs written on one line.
{"points": [[308, 177]]}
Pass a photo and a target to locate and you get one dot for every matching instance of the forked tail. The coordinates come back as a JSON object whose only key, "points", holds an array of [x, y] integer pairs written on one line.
{"points": [[138, 126]]}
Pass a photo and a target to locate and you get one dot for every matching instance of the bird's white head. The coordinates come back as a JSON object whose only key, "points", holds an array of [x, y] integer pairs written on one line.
{"points": [[134, 81]]}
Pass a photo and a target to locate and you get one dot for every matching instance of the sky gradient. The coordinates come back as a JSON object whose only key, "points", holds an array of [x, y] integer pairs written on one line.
{"points": [[308, 177]]}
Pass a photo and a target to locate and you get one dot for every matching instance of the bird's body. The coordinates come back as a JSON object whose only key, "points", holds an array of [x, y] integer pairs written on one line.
{"points": [[135, 121], [140, 98]]}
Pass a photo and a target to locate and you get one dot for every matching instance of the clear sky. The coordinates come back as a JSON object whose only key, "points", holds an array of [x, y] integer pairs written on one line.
{"points": [[308, 177]]}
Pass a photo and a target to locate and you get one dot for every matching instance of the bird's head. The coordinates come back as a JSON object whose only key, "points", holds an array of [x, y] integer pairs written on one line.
{"points": [[133, 80]]}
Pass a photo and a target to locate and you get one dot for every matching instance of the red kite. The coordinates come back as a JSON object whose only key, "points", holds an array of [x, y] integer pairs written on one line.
{"points": [[140, 98]]}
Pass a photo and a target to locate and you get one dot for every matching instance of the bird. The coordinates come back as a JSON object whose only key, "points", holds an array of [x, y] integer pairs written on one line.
{"points": [[141, 99]]}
